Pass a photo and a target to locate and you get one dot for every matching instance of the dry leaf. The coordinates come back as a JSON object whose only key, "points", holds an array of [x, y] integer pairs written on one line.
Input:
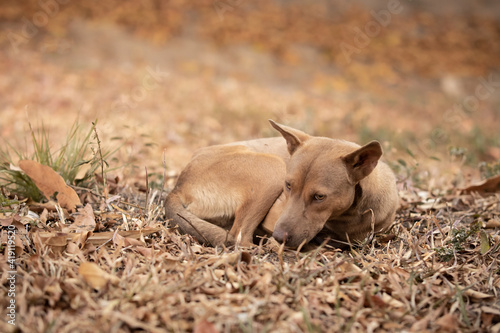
{"points": [[489, 309], [145, 251], [84, 220], [118, 240], [5, 222], [100, 237], [133, 242], [485, 242], [493, 223], [94, 275], [72, 248], [420, 325], [477, 294], [205, 326], [56, 239], [49, 182], [448, 322], [490, 185]]}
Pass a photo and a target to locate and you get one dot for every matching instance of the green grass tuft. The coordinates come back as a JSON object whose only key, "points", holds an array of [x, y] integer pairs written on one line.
{"points": [[77, 152], [459, 236]]}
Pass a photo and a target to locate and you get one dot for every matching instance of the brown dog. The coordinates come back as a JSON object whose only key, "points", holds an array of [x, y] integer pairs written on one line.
{"points": [[293, 188]]}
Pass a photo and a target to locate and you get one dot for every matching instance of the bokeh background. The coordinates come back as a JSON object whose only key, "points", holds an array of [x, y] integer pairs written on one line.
{"points": [[167, 77]]}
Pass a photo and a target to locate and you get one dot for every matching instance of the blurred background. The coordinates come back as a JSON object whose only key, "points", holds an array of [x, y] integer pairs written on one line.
{"points": [[423, 77]]}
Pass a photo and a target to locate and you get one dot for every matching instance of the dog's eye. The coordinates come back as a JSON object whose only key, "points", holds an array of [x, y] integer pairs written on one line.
{"points": [[319, 197], [288, 186]]}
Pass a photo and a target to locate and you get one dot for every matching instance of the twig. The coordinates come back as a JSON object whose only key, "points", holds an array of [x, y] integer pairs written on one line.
{"points": [[147, 191], [94, 124], [164, 178], [86, 189]]}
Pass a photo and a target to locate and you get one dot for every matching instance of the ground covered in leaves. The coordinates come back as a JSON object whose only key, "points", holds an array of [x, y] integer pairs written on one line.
{"points": [[119, 268], [165, 79]]}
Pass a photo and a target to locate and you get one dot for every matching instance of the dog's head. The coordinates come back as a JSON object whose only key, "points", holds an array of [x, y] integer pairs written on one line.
{"points": [[320, 182]]}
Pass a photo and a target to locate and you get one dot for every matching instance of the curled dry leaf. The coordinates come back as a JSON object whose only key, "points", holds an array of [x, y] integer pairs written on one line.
{"points": [[490, 185], [477, 294], [49, 182]]}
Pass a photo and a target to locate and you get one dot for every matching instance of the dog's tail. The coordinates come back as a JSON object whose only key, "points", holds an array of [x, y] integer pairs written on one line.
{"points": [[205, 232]]}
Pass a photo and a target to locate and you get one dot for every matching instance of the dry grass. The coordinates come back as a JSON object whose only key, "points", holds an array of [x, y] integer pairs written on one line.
{"points": [[438, 270], [165, 282]]}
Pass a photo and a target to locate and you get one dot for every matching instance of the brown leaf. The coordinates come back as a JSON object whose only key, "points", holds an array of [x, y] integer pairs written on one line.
{"points": [[490, 309], [49, 182], [145, 251], [94, 275], [490, 185], [84, 221], [477, 294], [493, 223], [100, 237], [119, 240], [420, 325], [133, 242], [448, 322], [72, 248], [205, 326], [5, 222], [56, 239]]}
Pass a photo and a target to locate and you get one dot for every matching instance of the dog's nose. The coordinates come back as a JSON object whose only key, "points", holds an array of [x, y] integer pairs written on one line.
{"points": [[280, 235]]}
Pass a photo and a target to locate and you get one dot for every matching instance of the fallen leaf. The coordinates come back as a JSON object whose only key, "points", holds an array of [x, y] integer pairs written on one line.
{"points": [[448, 322], [489, 309], [49, 182], [133, 242], [72, 248], [145, 251], [485, 242], [84, 220], [5, 222], [119, 240], [100, 237], [493, 223], [477, 294], [56, 240], [94, 275], [490, 185], [205, 326], [420, 325]]}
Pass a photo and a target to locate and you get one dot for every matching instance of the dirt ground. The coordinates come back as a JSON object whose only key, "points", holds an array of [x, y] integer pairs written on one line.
{"points": [[166, 78]]}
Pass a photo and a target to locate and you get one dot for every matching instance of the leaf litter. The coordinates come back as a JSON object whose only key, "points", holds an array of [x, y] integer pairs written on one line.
{"points": [[122, 269], [437, 270]]}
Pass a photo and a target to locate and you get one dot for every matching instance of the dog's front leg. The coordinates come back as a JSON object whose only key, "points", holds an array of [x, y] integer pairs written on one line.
{"points": [[252, 212]]}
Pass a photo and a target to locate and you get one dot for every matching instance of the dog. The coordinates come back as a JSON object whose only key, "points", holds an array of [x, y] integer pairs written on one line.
{"points": [[295, 187]]}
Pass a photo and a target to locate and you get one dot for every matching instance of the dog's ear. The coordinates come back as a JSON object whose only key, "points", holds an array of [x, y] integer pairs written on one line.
{"points": [[361, 162], [293, 137]]}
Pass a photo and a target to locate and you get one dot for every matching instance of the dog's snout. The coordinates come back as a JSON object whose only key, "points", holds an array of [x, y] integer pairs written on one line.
{"points": [[280, 235]]}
